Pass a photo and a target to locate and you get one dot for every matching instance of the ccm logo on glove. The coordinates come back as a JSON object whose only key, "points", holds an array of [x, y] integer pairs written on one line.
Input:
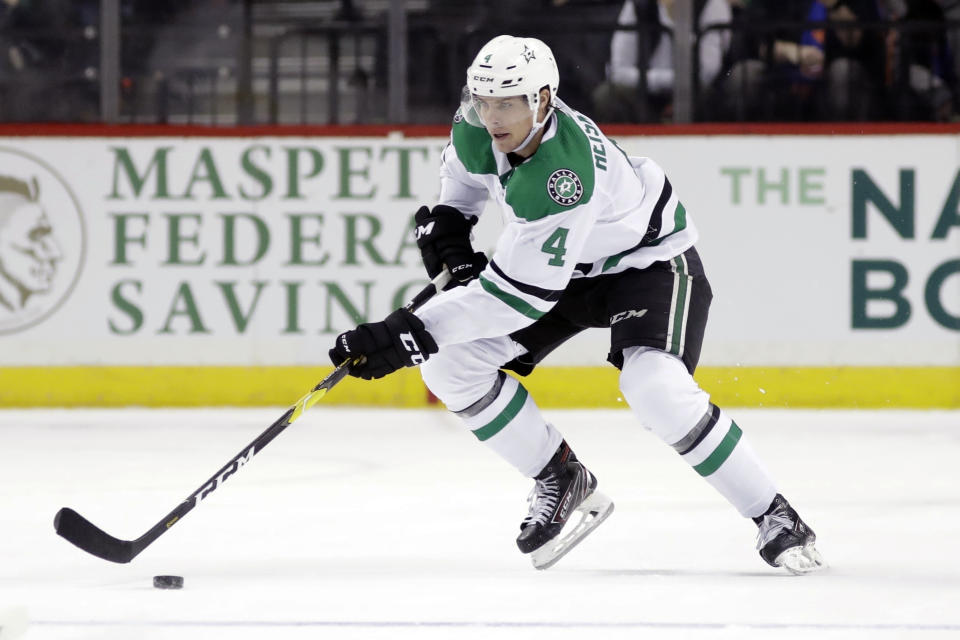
{"points": [[415, 356], [423, 230], [376, 349], [443, 236]]}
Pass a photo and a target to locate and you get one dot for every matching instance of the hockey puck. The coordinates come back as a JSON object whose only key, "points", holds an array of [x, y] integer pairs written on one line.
{"points": [[168, 582]]}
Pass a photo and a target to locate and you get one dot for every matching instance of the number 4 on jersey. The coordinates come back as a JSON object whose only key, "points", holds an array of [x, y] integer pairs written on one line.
{"points": [[555, 246]]}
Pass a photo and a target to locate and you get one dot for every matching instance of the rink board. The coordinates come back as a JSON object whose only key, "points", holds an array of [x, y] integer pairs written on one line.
{"points": [[197, 266]]}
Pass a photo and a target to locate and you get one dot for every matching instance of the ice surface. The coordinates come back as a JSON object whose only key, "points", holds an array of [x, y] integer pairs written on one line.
{"points": [[398, 524]]}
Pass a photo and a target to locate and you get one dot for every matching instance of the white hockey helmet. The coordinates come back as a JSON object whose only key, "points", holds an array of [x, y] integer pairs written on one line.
{"points": [[510, 66]]}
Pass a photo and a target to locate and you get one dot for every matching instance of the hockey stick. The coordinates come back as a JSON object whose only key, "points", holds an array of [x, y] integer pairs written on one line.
{"points": [[84, 534]]}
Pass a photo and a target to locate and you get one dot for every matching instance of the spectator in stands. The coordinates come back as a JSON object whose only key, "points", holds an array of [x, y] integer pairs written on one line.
{"points": [[775, 70], [45, 61], [952, 13], [854, 59], [922, 73], [640, 74]]}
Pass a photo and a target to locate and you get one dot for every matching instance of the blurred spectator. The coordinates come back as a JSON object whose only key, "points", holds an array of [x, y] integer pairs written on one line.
{"points": [[50, 52], [47, 63], [640, 78], [922, 72], [952, 12], [774, 69], [854, 59]]}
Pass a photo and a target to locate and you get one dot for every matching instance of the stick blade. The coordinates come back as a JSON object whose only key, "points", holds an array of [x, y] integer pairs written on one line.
{"points": [[84, 534]]}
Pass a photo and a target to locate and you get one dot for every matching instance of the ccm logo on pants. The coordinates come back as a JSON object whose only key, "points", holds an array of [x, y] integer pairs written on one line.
{"points": [[626, 315]]}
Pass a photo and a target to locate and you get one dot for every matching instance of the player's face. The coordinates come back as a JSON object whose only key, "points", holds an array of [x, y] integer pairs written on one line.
{"points": [[28, 250], [508, 120]]}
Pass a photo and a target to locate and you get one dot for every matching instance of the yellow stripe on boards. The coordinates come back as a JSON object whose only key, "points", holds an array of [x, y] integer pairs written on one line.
{"points": [[557, 387], [196, 387], [773, 387]]}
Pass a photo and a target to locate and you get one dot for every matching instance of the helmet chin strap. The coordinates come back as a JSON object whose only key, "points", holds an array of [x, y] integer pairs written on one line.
{"points": [[533, 130]]}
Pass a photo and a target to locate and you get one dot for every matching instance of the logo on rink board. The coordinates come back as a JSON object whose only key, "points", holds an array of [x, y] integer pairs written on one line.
{"points": [[42, 240], [564, 187]]}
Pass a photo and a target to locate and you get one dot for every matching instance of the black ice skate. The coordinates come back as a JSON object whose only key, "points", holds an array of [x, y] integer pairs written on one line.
{"points": [[564, 508], [784, 540]]}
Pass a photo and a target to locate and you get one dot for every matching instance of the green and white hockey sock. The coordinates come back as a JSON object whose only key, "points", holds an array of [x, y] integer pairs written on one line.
{"points": [[667, 400], [717, 449], [508, 421]]}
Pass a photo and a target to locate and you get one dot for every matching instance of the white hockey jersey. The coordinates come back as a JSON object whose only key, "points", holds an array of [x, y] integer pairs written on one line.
{"points": [[577, 208]]}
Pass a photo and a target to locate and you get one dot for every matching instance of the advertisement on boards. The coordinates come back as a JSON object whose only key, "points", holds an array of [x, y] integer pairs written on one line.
{"points": [[821, 250]]}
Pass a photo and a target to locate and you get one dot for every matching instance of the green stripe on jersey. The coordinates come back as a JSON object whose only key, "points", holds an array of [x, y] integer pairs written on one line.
{"points": [[513, 301], [721, 453], [510, 412], [679, 218], [613, 261], [679, 224]]}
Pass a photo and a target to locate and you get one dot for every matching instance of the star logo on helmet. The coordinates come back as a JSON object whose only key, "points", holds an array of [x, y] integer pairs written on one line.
{"points": [[528, 54]]}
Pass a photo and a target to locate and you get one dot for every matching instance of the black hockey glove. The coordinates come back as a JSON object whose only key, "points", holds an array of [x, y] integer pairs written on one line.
{"points": [[443, 236], [400, 340]]}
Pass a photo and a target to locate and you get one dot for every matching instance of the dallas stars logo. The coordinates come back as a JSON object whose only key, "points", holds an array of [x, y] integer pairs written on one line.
{"points": [[564, 187], [528, 54]]}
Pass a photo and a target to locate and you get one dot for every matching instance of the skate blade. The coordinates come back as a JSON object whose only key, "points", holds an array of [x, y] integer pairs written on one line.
{"points": [[801, 560], [593, 511]]}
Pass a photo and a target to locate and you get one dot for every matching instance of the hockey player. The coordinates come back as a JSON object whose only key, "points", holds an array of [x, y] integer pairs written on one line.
{"points": [[591, 238]]}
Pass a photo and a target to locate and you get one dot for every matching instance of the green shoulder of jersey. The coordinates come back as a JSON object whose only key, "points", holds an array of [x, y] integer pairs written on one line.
{"points": [[472, 145], [559, 176]]}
